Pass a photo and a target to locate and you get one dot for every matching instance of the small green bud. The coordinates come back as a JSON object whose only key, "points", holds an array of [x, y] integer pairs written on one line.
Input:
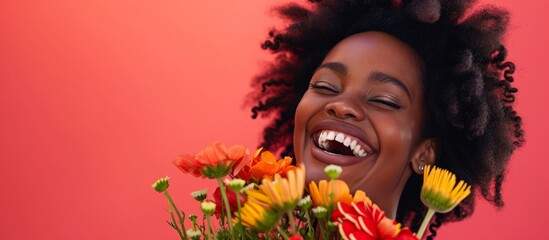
{"points": [[305, 203], [207, 207], [200, 195], [194, 234], [235, 184], [247, 187], [333, 171], [320, 212], [193, 217], [161, 184]]}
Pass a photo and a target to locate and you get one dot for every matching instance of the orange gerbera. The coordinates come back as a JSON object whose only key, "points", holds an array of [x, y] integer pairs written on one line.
{"points": [[321, 193], [264, 165], [213, 161]]}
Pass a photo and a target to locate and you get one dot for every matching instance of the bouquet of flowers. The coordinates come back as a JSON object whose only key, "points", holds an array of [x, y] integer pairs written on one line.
{"points": [[261, 197]]}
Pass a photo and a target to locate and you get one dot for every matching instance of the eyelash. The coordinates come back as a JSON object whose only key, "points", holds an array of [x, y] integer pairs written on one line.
{"points": [[390, 104], [316, 85]]}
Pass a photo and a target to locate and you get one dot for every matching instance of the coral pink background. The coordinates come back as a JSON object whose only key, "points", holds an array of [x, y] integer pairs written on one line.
{"points": [[97, 97]]}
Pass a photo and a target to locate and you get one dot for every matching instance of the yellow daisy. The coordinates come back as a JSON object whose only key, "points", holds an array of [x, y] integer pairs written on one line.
{"points": [[256, 212], [284, 193], [440, 191]]}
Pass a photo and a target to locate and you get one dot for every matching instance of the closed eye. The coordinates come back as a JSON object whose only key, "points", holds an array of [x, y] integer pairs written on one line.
{"points": [[323, 87], [387, 103]]}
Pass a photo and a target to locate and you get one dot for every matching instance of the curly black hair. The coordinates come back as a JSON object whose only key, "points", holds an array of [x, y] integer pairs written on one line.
{"points": [[467, 84]]}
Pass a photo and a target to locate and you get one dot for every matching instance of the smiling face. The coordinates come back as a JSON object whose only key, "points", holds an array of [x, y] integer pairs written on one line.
{"points": [[364, 112]]}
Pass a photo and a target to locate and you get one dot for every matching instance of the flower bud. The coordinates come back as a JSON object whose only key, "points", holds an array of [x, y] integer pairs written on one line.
{"points": [[161, 184], [200, 195], [333, 171], [320, 212], [305, 203], [247, 187], [194, 234], [235, 184], [207, 207]]}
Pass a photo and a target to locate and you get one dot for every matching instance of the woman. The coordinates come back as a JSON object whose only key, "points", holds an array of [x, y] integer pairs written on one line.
{"points": [[384, 88]]}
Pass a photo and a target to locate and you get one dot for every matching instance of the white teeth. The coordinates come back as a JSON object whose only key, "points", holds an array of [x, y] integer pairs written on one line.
{"points": [[357, 149], [322, 140], [347, 141], [331, 136], [340, 137]]}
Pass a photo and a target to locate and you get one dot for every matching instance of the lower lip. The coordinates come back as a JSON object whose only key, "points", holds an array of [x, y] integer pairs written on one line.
{"points": [[330, 158]]}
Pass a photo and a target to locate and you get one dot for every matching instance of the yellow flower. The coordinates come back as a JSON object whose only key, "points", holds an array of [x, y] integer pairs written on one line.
{"points": [[256, 212], [440, 192], [262, 208], [342, 193], [284, 193]]}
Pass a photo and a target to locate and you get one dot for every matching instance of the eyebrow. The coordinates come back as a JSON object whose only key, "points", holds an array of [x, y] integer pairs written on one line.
{"points": [[334, 66], [385, 78]]}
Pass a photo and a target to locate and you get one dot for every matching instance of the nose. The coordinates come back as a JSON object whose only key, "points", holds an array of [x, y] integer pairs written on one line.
{"points": [[345, 108]]}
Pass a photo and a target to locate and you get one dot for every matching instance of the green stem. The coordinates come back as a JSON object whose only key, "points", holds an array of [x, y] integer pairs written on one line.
{"points": [[174, 223], [227, 206], [239, 219], [309, 225], [425, 222], [181, 219], [282, 232], [210, 230], [323, 229], [292, 221], [332, 196]]}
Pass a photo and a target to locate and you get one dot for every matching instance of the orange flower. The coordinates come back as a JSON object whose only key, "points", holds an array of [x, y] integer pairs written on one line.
{"points": [[213, 161], [364, 220], [264, 165], [321, 193]]}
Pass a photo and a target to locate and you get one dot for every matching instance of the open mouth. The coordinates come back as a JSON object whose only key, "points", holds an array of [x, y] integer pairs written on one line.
{"points": [[340, 143]]}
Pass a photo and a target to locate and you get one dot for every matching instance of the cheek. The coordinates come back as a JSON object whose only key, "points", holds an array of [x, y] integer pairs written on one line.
{"points": [[305, 110], [302, 115], [395, 135]]}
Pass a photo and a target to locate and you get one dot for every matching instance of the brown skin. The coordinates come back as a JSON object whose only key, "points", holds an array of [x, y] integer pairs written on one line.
{"points": [[345, 96]]}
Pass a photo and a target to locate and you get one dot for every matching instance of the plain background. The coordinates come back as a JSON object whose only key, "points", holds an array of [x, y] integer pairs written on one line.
{"points": [[97, 97]]}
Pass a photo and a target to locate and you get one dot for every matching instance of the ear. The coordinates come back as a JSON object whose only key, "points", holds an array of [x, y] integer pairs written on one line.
{"points": [[424, 154]]}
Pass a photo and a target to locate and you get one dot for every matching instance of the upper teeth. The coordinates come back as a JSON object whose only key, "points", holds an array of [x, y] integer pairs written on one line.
{"points": [[342, 138]]}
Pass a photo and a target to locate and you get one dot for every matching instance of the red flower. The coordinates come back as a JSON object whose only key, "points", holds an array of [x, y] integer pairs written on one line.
{"points": [[295, 237], [365, 221], [406, 234], [213, 161], [233, 204]]}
